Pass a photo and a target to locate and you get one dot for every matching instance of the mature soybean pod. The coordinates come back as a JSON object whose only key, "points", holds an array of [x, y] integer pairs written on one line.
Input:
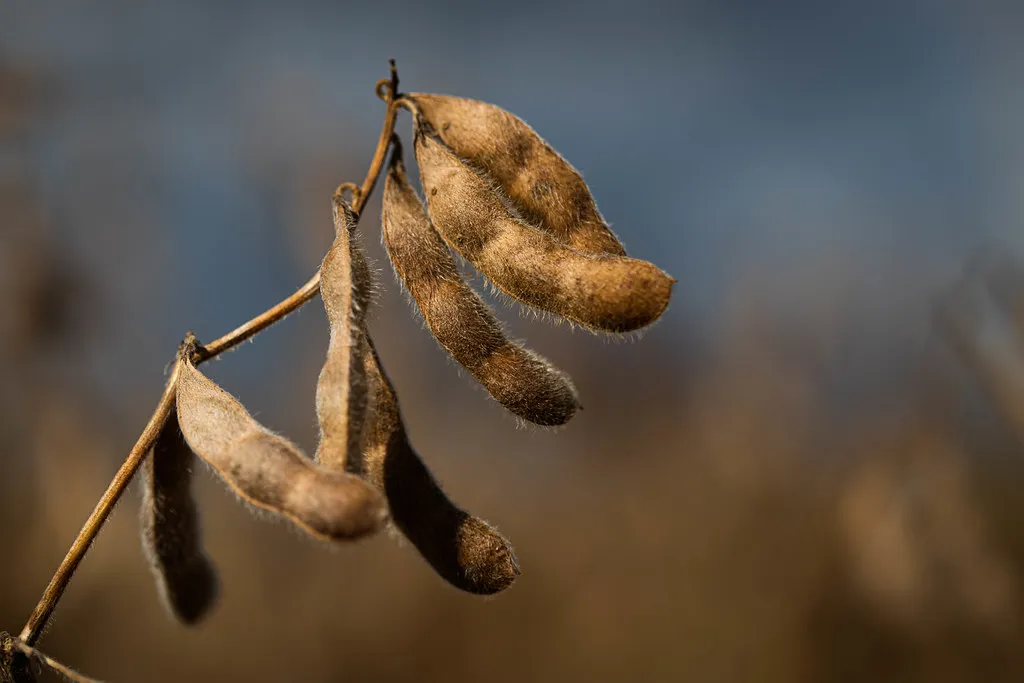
{"points": [[521, 380], [345, 287], [609, 293], [464, 550], [269, 471], [546, 189], [171, 537]]}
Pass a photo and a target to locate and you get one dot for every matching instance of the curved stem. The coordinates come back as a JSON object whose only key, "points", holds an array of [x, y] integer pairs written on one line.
{"points": [[8, 645], [410, 106], [260, 322], [310, 289], [383, 142], [41, 614]]}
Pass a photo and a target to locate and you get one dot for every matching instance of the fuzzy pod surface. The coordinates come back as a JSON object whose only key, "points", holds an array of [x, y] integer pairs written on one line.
{"points": [[522, 381], [345, 287], [607, 293], [546, 189], [171, 534], [267, 470], [464, 550]]}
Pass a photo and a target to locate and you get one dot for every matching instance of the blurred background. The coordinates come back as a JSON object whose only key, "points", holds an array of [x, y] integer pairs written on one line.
{"points": [[809, 470]]}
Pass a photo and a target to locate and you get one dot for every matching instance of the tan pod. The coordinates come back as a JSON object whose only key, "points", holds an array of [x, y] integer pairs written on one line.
{"points": [[521, 380], [345, 287], [267, 470], [545, 188], [609, 293], [464, 550]]}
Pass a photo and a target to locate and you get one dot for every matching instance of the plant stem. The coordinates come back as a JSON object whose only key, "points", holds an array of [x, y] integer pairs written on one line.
{"points": [[41, 614]]}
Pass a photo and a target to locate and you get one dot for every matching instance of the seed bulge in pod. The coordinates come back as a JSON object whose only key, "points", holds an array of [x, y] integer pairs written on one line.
{"points": [[464, 550], [269, 471], [547, 191], [171, 537], [608, 293], [521, 380]]}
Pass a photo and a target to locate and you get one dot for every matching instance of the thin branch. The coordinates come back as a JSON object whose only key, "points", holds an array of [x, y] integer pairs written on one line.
{"points": [[41, 614], [260, 322], [387, 90], [52, 664]]}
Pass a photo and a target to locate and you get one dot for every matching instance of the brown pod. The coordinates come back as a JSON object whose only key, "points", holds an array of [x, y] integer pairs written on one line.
{"points": [[345, 286], [171, 537], [269, 471], [545, 188], [521, 380], [609, 293], [464, 550]]}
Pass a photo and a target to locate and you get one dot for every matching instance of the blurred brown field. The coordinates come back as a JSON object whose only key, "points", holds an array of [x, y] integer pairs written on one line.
{"points": [[815, 477]]}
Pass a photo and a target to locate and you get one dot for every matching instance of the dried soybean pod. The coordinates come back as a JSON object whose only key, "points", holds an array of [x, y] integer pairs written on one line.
{"points": [[269, 471], [345, 287], [522, 381], [171, 537], [546, 189], [609, 293], [464, 550]]}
